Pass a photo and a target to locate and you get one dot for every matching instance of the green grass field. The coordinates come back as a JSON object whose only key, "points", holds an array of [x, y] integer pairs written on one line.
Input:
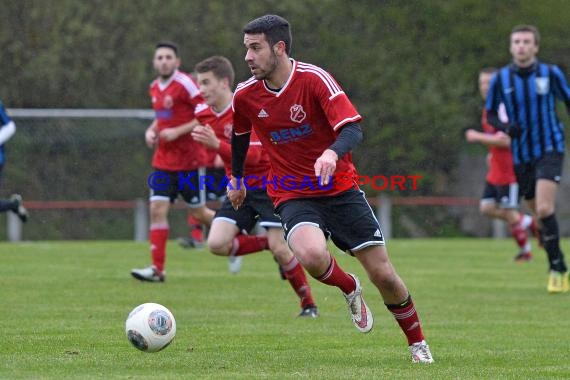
{"points": [[64, 305]]}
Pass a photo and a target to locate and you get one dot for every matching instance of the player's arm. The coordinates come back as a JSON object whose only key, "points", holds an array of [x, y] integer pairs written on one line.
{"points": [[206, 135], [240, 147], [8, 127], [560, 87], [349, 137], [511, 129], [492, 105], [236, 188], [7, 131], [151, 134], [252, 157], [170, 134], [499, 139]]}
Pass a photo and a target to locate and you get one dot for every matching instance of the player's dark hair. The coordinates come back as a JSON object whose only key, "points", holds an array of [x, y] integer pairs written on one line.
{"points": [[528, 28], [168, 44], [275, 28], [220, 66]]}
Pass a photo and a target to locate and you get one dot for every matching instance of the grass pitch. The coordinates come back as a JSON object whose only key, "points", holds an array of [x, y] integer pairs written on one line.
{"points": [[64, 305]]}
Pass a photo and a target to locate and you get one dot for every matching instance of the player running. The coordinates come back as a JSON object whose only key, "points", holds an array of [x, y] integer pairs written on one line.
{"points": [[227, 236], [308, 127], [177, 156]]}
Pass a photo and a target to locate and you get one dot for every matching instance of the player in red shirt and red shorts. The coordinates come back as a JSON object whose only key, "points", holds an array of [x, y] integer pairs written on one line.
{"points": [[308, 127], [228, 233], [177, 157], [501, 195]]}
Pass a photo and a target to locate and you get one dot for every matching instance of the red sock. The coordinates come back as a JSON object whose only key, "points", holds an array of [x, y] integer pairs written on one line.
{"points": [[519, 234], [158, 238], [196, 231], [246, 244], [296, 276], [407, 318], [335, 276]]}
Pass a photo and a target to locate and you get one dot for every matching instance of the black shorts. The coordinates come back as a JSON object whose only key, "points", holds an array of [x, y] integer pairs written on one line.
{"points": [[346, 218], [216, 189], [167, 185], [257, 207], [505, 196], [547, 167]]}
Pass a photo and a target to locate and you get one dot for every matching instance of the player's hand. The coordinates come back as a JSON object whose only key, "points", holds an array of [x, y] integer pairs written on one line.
{"points": [[206, 135], [169, 134], [150, 137], [236, 192], [325, 166], [503, 137], [471, 135]]}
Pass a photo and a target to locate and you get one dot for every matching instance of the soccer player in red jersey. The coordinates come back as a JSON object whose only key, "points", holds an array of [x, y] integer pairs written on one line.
{"points": [[216, 193], [501, 195], [177, 157], [308, 127], [216, 78]]}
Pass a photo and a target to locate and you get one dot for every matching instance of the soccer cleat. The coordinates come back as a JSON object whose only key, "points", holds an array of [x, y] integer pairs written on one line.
{"points": [[150, 274], [234, 264], [188, 242], [421, 353], [523, 257], [360, 313], [310, 311], [19, 208], [557, 282]]}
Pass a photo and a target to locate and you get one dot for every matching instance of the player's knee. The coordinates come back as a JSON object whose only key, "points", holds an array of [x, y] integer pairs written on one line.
{"points": [[486, 209], [158, 212], [311, 254], [200, 213], [544, 210], [219, 245], [277, 244]]}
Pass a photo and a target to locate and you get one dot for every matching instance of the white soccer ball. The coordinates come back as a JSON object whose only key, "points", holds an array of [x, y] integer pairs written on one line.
{"points": [[150, 327]]}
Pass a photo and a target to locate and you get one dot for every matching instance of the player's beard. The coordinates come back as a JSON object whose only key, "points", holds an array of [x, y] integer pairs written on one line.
{"points": [[271, 66], [166, 76]]}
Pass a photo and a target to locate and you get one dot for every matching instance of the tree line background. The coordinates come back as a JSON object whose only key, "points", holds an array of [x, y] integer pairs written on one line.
{"points": [[410, 67]]}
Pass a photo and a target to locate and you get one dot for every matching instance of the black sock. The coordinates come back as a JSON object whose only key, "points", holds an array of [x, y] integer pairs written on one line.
{"points": [[6, 205], [552, 243]]}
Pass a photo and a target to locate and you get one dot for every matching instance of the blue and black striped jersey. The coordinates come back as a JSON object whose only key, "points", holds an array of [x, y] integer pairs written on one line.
{"points": [[4, 119], [530, 97]]}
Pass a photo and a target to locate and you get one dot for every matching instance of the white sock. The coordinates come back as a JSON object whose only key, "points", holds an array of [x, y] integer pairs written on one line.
{"points": [[526, 221], [526, 248]]}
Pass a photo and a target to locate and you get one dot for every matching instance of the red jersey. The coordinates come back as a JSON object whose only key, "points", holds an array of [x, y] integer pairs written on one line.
{"points": [[257, 160], [174, 103], [295, 126], [501, 170]]}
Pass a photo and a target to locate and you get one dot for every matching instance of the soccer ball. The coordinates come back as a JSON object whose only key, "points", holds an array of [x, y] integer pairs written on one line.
{"points": [[150, 327]]}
